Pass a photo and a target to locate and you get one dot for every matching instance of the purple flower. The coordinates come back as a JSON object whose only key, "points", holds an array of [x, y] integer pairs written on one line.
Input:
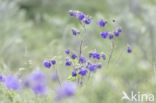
{"points": [[82, 59], [2, 79], [87, 21], [103, 56], [81, 16], [104, 34], [116, 33], [68, 62], [129, 50], [37, 77], [102, 23], [99, 66], [53, 61], [83, 72], [110, 36], [92, 67], [73, 56], [96, 55], [119, 30], [75, 32], [90, 55], [67, 51], [12, 83], [39, 89], [72, 13], [74, 74], [47, 64], [67, 89]]}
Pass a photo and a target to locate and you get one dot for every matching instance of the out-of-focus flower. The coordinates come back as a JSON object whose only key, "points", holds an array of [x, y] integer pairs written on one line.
{"points": [[119, 30], [12, 83], [67, 89], [72, 13], [129, 49], [116, 33], [83, 72], [55, 76], [104, 34], [92, 67], [87, 21], [47, 64], [67, 51], [81, 16], [82, 59], [39, 89], [53, 61], [99, 66], [103, 56], [68, 62], [2, 79], [73, 56], [74, 74], [102, 23], [38, 82], [110, 36], [75, 32]]}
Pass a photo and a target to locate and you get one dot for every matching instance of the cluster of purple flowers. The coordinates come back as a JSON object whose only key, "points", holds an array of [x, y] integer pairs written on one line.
{"points": [[81, 16]]}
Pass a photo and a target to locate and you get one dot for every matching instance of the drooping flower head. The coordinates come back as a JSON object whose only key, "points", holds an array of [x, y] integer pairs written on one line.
{"points": [[67, 51], [116, 33], [82, 59], [110, 36], [119, 30], [104, 34], [73, 56], [102, 23], [92, 67], [103, 56], [67, 89], [74, 74], [81, 16], [47, 64], [53, 61], [12, 83], [129, 49], [75, 32], [96, 55], [83, 72], [68, 62], [87, 21], [73, 13]]}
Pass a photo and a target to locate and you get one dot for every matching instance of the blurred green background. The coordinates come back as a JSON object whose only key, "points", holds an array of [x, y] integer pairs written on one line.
{"points": [[34, 30]]}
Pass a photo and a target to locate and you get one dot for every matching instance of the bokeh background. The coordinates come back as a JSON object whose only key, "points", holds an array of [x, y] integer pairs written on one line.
{"points": [[34, 30]]}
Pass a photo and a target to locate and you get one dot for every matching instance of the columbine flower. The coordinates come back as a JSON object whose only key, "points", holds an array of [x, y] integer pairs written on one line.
{"points": [[83, 72], [74, 74], [67, 89], [67, 51], [68, 62], [119, 30], [102, 23], [72, 13], [47, 64], [73, 56], [103, 56], [12, 83], [90, 55], [129, 50], [104, 34], [96, 55], [82, 59], [87, 21], [110, 36], [99, 66], [75, 32], [81, 16], [53, 61], [92, 67], [116, 33]]}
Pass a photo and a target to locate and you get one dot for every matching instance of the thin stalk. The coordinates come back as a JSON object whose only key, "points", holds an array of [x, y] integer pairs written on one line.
{"points": [[58, 77], [111, 53]]}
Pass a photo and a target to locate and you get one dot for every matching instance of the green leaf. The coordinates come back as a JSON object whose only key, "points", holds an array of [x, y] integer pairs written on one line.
{"points": [[71, 78]]}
